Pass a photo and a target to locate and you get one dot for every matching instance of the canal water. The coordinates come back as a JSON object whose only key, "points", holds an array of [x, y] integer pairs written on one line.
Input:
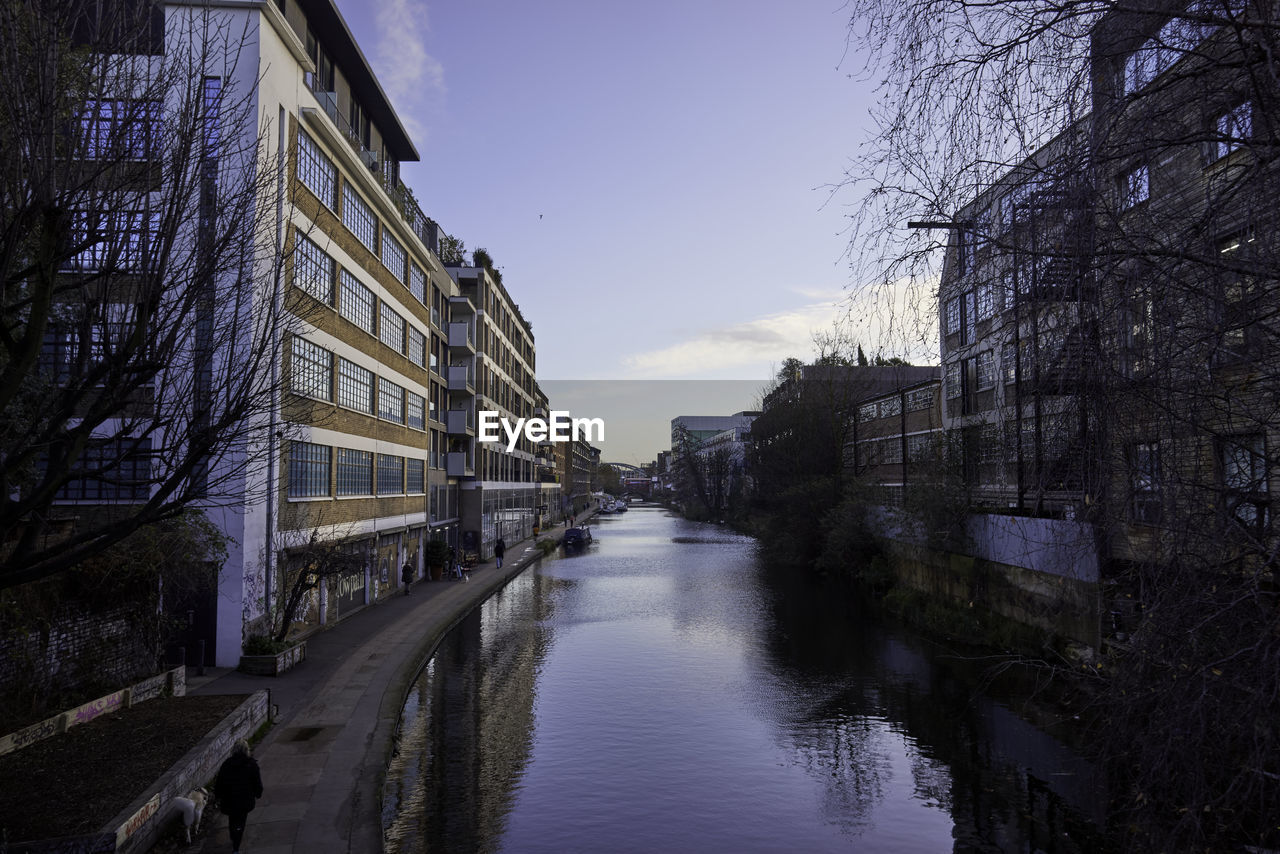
{"points": [[664, 692]]}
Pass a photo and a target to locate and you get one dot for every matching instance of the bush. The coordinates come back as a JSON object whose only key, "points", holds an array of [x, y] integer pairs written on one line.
{"points": [[263, 645]]}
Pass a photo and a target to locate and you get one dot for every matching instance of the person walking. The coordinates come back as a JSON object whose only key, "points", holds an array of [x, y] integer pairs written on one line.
{"points": [[499, 549], [406, 575], [238, 787]]}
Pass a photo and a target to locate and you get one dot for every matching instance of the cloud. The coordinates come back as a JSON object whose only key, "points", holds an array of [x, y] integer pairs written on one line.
{"points": [[750, 349], [407, 72]]}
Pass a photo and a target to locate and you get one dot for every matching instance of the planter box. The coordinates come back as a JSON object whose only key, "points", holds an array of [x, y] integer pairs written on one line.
{"points": [[274, 665]]}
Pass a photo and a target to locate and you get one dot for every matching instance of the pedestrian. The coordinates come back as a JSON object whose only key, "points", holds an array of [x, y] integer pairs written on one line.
{"points": [[406, 575], [499, 549], [238, 787]]}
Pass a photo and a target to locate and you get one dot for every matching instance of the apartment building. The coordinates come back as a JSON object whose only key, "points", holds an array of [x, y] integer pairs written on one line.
{"points": [[1017, 332], [492, 356], [897, 438]]}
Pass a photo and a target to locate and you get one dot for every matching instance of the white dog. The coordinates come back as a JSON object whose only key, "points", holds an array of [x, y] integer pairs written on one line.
{"points": [[191, 808]]}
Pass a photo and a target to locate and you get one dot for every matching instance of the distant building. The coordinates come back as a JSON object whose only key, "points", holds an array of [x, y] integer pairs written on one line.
{"points": [[897, 437]]}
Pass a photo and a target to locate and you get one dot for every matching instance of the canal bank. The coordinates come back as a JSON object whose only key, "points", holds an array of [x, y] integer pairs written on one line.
{"points": [[335, 716]]}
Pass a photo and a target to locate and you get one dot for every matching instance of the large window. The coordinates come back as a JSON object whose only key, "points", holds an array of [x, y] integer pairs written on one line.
{"points": [[415, 476], [316, 171], [391, 329], [1134, 186], [355, 386], [358, 217], [867, 412], [121, 129], [309, 468], [985, 370], [393, 256], [1234, 129], [984, 297], [390, 401], [415, 410], [417, 283], [390, 474], [417, 347], [313, 269], [1009, 362], [312, 370], [921, 398], [955, 385], [953, 316], [357, 302], [355, 472], [1243, 465], [112, 470], [113, 240]]}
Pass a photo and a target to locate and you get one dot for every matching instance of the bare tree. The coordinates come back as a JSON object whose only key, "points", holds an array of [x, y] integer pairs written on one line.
{"points": [[139, 322]]}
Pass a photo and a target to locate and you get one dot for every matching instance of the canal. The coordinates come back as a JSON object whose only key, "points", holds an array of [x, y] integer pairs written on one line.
{"points": [[664, 692]]}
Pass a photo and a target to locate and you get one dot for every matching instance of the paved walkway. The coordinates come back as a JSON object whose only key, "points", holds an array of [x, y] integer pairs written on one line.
{"points": [[323, 760]]}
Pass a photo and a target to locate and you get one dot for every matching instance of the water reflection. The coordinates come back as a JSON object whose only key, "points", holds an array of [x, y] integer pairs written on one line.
{"points": [[661, 691]]}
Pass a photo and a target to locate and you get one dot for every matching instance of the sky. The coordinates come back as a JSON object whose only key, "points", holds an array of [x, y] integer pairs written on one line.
{"points": [[653, 180]]}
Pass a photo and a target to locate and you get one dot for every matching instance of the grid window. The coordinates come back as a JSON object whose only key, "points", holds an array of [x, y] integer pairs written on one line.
{"points": [[1009, 361], [921, 398], [355, 472], [985, 301], [355, 386], [955, 387], [1234, 129], [417, 347], [890, 451], [416, 410], [113, 470], [390, 474], [986, 370], [953, 316], [316, 171], [1245, 489], [313, 269], [358, 217], [121, 130], [918, 447], [415, 476], [890, 406], [312, 370], [357, 302], [990, 444], [112, 240], [1144, 482], [418, 283], [393, 255], [309, 468], [867, 412], [390, 401], [391, 329]]}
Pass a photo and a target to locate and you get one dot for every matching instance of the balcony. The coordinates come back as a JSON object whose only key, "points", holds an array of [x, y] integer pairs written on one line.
{"points": [[461, 422], [461, 305], [461, 336], [459, 464], [461, 378]]}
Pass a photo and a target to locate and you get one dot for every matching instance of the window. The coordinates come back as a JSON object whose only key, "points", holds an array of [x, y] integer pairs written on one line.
{"points": [[391, 329], [985, 370], [918, 447], [1233, 317], [1141, 67], [393, 255], [390, 401], [316, 171], [967, 317], [121, 129], [985, 301], [867, 412], [355, 386], [357, 302], [1138, 331], [415, 477], [890, 451], [81, 341], [1009, 361], [1144, 482], [309, 467], [921, 398], [390, 474], [955, 385], [1134, 187], [313, 269], [417, 347], [890, 406], [416, 410], [990, 444], [953, 315], [112, 239], [417, 283], [966, 249], [312, 370], [355, 472], [358, 217], [1243, 466], [1234, 129], [111, 470]]}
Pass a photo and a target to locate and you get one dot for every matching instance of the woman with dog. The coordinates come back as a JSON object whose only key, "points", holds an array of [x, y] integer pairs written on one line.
{"points": [[238, 787]]}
